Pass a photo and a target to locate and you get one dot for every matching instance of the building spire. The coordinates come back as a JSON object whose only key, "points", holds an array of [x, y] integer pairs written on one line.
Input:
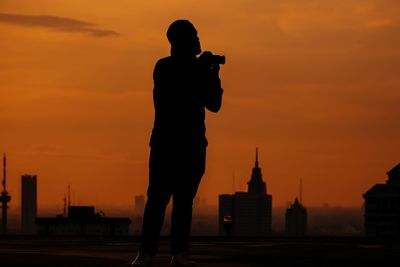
{"points": [[256, 165], [301, 192], [256, 184]]}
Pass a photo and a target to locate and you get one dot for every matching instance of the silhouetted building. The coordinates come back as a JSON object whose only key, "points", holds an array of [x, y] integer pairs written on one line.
{"points": [[28, 203], [247, 213], [82, 220], [382, 207], [296, 219]]}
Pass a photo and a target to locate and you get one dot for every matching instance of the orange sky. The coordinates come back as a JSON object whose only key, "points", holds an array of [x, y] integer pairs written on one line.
{"points": [[313, 84]]}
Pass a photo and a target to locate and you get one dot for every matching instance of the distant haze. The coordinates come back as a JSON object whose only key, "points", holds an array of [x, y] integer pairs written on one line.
{"points": [[313, 84]]}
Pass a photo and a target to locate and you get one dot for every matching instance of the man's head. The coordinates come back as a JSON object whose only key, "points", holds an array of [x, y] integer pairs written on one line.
{"points": [[182, 36]]}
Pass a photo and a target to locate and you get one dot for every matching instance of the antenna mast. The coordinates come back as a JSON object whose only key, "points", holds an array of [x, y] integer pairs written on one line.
{"points": [[4, 173], [65, 206], [69, 197], [233, 183], [4, 198], [301, 192]]}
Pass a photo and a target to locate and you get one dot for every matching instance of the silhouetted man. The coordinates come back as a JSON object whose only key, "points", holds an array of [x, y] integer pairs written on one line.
{"points": [[184, 86]]}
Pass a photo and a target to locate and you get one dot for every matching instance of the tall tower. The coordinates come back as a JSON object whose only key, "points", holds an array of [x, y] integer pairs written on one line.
{"points": [[247, 213], [28, 203], [256, 185], [4, 198]]}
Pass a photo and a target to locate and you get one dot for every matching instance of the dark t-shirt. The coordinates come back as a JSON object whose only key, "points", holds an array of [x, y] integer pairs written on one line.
{"points": [[182, 91]]}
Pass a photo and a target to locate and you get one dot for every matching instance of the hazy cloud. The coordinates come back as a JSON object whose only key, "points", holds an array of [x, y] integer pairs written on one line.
{"points": [[56, 151], [56, 23]]}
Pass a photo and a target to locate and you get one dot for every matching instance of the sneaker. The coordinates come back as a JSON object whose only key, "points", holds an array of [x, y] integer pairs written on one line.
{"points": [[142, 260], [182, 260]]}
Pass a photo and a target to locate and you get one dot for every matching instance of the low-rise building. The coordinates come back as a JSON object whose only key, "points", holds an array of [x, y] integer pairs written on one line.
{"points": [[382, 207], [296, 220], [82, 220]]}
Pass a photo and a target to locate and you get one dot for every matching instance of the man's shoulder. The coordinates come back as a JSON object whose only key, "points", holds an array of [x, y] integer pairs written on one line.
{"points": [[162, 67], [165, 61]]}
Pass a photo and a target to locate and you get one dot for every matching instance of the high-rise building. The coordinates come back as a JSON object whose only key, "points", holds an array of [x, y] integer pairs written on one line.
{"points": [[296, 219], [382, 207], [247, 213], [28, 204]]}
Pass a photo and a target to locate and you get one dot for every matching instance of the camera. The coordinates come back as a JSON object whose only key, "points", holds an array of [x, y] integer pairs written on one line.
{"points": [[208, 58]]}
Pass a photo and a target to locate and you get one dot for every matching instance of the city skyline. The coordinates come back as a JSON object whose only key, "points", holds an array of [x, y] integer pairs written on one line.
{"points": [[77, 200], [317, 93]]}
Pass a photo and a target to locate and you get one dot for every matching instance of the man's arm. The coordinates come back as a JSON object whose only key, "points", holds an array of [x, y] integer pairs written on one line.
{"points": [[213, 98], [159, 96]]}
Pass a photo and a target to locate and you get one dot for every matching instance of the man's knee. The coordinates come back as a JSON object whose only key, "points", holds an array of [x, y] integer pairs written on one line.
{"points": [[157, 198]]}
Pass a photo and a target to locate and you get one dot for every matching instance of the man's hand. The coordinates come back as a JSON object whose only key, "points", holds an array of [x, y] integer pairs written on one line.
{"points": [[214, 69]]}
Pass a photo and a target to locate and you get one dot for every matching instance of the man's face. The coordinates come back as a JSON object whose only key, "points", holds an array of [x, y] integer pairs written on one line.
{"points": [[195, 43], [190, 42]]}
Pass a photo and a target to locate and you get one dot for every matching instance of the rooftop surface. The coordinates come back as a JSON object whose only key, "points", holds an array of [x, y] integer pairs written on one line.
{"points": [[17, 251]]}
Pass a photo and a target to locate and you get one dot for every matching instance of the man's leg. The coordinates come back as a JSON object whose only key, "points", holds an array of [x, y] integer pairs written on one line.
{"points": [[184, 192], [153, 219], [181, 220], [158, 197]]}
